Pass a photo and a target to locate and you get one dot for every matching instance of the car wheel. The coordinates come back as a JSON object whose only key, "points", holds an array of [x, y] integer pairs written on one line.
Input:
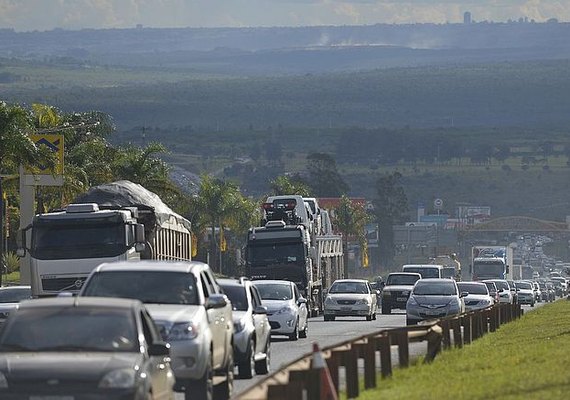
{"points": [[532, 304], [295, 334], [386, 309], [246, 367], [262, 367], [374, 315], [203, 388], [227, 387], [369, 317], [303, 334]]}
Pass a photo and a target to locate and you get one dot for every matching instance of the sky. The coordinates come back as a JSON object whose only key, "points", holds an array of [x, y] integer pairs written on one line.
{"points": [[41, 15]]}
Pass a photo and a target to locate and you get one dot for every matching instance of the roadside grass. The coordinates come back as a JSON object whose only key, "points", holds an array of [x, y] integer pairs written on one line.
{"points": [[525, 359], [11, 278]]}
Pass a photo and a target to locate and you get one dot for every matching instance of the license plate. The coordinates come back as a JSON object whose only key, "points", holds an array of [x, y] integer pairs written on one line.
{"points": [[52, 397], [432, 312], [401, 299]]}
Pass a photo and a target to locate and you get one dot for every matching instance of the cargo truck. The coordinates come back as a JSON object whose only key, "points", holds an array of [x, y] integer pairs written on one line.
{"points": [[491, 262], [112, 222]]}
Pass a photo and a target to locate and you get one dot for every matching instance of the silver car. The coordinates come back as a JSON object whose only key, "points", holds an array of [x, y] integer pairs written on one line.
{"points": [[286, 309], [434, 298], [350, 298], [525, 292], [10, 296], [477, 295], [252, 332], [189, 308]]}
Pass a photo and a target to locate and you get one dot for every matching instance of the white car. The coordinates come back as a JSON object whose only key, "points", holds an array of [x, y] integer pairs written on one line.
{"points": [[476, 294], [525, 292], [286, 309], [505, 295], [190, 310], [351, 298]]}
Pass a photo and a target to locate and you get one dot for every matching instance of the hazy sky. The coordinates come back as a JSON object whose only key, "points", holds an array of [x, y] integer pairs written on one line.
{"points": [[26, 15]]}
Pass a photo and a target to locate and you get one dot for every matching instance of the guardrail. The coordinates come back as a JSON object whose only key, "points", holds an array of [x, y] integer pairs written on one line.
{"points": [[297, 380]]}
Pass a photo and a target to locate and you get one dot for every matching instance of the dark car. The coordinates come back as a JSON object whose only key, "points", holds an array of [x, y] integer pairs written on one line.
{"points": [[397, 290], [83, 348]]}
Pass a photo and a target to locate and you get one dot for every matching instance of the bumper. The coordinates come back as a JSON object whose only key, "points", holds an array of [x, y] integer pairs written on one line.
{"points": [[348, 311], [422, 314], [282, 324], [73, 394], [526, 300], [188, 358]]}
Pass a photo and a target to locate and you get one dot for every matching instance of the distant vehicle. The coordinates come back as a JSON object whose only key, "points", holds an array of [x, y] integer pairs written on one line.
{"points": [[493, 291], [10, 296], [491, 262], [513, 289], [252, 332], [545, 291], [286, 308], [351, 298], [190, 309], [425, 270], [563, 283], [478, 296], [434, 298], [67, 348], [525, 291], [397, 290], [504, 290], [537, 292]]}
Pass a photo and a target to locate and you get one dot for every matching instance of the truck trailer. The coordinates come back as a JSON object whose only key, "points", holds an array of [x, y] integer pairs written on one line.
{"points": [[111, 222]]}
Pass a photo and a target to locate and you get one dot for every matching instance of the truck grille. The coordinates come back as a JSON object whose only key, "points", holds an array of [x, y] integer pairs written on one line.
{"points": [[58, 284]]}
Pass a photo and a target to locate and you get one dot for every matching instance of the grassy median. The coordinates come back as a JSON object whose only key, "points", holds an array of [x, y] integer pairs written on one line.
{"points": [[526, 359]]}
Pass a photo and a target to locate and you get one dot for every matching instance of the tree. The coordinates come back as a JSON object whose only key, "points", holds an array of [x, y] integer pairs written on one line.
{"points": [[324, 178], [390, 207], [285, 184], [350, 219]]}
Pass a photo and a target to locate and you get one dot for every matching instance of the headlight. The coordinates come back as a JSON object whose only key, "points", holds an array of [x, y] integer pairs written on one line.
{"points": [[362, 301], [412, 301], [239, 325], [386, 293], [119, 379], [285, 310], [183, 331], [329, 300], [3, 381], [485, 302]]}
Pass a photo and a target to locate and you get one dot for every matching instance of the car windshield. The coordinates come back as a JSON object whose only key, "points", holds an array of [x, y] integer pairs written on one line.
{"points": [[425, 272], [237, 295], [491, 286], [70, 329], [159, 287], [13, 295], [473, 288], [401, 279], [349, 287], [524, 285], [502, 285], [274, 291], [434, 289]]}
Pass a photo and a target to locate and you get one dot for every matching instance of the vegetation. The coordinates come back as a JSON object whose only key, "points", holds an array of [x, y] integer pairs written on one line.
{"points": [[350, 219], [526, 359]]}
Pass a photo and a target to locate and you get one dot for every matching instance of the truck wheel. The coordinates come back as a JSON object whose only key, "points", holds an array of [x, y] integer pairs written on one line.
{"points": [[262, 367], [386, 309], [293, 336], [203, 388], [246, 367]]}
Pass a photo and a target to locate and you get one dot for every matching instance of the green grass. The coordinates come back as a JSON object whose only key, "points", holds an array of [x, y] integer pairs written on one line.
{"points": [[526, 359]]}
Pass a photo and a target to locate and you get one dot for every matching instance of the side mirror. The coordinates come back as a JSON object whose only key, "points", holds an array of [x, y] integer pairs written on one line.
{"points": [[140, 240], [301, 300], [216, 301], [159, 349], [377, 293], [260, 310], [21, 242], [464, 294]]}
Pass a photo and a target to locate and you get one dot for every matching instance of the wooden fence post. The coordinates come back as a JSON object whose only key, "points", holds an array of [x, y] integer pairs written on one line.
{"points": [[457, 336], [383, 344], [467, 333]]}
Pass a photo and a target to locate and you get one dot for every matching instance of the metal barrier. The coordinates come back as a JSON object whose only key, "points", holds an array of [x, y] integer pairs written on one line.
{"points": [[298, 380]]}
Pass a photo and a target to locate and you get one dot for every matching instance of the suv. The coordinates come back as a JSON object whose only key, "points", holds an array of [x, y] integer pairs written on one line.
{"points": [[189, 308], [397, 290], [252, 332]]}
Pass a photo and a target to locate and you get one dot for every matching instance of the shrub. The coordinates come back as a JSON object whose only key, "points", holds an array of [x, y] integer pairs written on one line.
{"points": [[11, 261]]}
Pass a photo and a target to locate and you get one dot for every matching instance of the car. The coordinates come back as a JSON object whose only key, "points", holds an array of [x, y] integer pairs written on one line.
{"points": [[434, 298], [525, 292], [189, 308], [563, 283], [425, 270], [397, 290], [537, 292], [545, 292], [252, 332], [551, 291], [10, 296], [513, 289], [493, 291], [477, 297], [286, 308], [558, 288], [351, 298], [504, 290], [96, 348]]}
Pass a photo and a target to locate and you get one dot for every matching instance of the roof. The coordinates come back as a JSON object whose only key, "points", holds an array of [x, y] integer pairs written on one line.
{"points": [[435, 280], [352, 280], [152, 265], [111, 302], [405, 273], [263, 281], [230, 282]]}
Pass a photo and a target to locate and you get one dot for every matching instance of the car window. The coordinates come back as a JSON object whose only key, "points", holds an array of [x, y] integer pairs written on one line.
{"points": [[524, 285], [237, 295], [11, 295], [296, 293], [256, 298], [434, 289], [206, 287], [71, 329], [214, 288], [402, 279], [473, 288], [147, 286], [152, 331], [502, 285], [349, 287], [274, 291]]}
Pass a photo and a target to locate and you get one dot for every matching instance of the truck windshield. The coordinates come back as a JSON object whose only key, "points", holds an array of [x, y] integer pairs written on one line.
{"points": [[260, 254], [77, 239], [483, 269]]}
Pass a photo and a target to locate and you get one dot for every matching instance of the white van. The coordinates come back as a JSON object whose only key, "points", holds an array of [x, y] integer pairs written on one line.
{"points": [[425, 270]]}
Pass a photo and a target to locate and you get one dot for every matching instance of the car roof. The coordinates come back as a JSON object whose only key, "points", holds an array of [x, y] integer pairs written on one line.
{"points": [[230, 282], [405, 273], [352, 280], [153, 265], [472, 283], [423, 265], [103, 302], [263, 281], [435, 280]]}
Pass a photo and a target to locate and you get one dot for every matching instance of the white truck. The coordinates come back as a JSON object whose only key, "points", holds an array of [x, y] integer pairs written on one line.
{"points": [[491, 262], [112, 222], [288, 247]]}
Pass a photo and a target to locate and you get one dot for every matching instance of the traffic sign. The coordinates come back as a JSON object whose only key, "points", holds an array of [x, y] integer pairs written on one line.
{"points": [[54, 143], [438, 204]]}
